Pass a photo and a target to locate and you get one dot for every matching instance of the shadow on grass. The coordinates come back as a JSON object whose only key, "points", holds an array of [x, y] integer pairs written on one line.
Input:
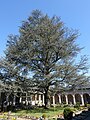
{"points": [[39, 110]]}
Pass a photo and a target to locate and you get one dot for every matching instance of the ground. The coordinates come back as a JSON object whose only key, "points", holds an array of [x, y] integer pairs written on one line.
{"points": [[35, 114]]}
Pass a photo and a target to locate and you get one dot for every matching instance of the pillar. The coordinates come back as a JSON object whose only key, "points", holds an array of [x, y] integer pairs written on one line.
{"points": [[74, 100], [26, 100], [82, 99], [35, 98], [66, 99], [43, 100], [20, 99], [7, 99], [39, 97], [59, 99], [31, 99], [39, 100], [53, 100], [14, 99]]}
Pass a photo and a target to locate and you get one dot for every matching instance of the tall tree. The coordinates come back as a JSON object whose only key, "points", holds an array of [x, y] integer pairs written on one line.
{"points": [[46, 48]]}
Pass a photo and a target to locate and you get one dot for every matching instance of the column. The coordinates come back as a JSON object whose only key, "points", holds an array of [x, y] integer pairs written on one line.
{"points": [[66, 99], [82, 100], [14, 100], [39, 97], [43, 100], [74, 100], [7, 100], [26, 100], [31, 99], [59, 99], [20, 100], [35, 98], [39, 100], [53, 100]]}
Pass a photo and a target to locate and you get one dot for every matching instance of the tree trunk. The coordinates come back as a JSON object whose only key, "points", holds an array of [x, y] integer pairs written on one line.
{"points": [[47, 99], [1, 106]]}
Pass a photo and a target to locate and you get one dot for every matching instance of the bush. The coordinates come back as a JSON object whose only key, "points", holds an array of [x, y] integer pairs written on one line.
{"points": [[77, 105], [66, 105], [88, 109], [68, 114], [85, 105], [88, 105], [44, 116]]}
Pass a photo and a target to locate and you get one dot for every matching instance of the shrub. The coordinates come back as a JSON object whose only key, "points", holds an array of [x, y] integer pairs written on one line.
{"points": [[88, 109], [77, 105], [14, 118], [68, 114], [88, 105], [44, 116], [66, 105], [85, 105]]}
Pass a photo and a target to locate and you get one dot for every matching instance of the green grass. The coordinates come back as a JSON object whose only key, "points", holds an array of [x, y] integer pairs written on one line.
{"points": [[37, 112]]}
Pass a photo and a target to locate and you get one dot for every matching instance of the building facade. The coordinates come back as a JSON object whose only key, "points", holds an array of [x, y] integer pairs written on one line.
{"points": [[68, 98]]}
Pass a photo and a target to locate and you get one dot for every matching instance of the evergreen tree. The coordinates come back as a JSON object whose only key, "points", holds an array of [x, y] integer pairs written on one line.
{"points": [[47, 49]]}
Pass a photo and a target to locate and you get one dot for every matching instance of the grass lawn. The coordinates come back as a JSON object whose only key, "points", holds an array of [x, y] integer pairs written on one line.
{"points": [[38, 112]]}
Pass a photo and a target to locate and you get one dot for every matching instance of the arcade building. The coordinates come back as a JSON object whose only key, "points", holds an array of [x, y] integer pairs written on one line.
{"points": [[66, 97]]}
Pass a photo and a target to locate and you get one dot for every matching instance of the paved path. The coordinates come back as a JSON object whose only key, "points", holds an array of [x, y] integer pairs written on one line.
{"points": [[85, 115]]}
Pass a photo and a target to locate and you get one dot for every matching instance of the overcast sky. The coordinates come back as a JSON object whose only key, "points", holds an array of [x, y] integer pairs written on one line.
{"points": [[74, 13]]}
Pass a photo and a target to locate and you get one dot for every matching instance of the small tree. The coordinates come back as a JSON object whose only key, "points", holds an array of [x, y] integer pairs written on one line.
{"points": [[46, 48], [9, 81]]}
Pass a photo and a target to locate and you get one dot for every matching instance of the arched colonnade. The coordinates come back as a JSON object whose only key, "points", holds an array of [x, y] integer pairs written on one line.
{"points": [[38, 99], [71, 99]]}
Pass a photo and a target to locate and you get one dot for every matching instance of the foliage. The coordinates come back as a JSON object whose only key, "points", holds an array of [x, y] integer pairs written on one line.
{"points": [[65, 105], [67, 113], [14, 118], [88, 106], [77, 105], [44, 116]]}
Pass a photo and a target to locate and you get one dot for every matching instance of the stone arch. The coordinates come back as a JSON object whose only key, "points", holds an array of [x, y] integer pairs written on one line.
{"points": [[86, 98], [63, 99], [70, 99], [56, 99], [78, 98]]}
